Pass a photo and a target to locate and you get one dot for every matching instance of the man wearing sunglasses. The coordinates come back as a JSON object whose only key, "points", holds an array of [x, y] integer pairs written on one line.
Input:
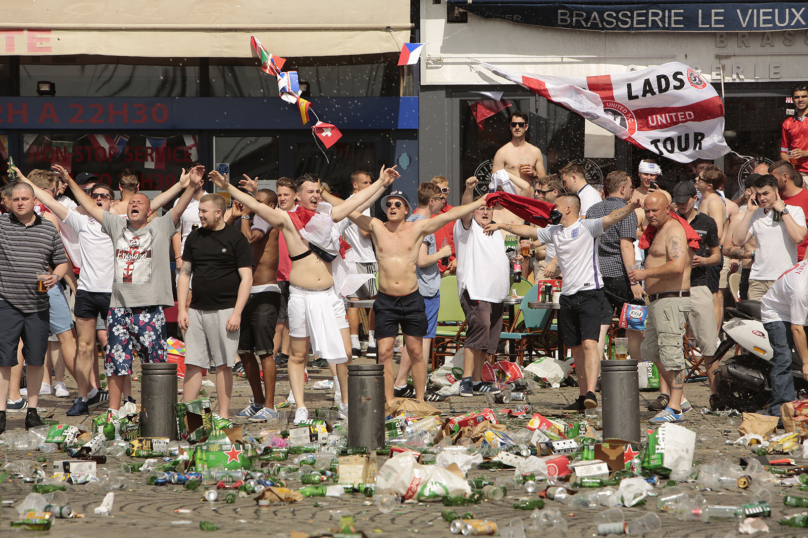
{"points": [[399, 302], [520, 157]]}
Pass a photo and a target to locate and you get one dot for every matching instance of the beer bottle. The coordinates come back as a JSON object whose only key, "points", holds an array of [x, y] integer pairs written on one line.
{"points": [[313, 478], [448, 515], [12, 175], [229, 499], [48, 488], [454, 500], [208, 526], [795, 500], [529, 505], [517, 271], [312, 491], [798, 520]]}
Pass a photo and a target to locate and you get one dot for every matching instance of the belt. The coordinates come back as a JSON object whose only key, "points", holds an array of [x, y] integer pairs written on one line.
{"points": [[669, 294]]}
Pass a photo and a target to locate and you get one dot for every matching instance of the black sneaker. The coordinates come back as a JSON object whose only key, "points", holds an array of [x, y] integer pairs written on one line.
{"points": [[466, 387], [356, 352], [406, 392], [371, 351], [80, 407], [590, 400], [16, 407], [660, 403], [129, 399], [432, 396], [100, 397], [32, 419], [281, 359], [716, 404], [238, 368], [577, 406], [320, 363], [2, 421], [485, 388]]}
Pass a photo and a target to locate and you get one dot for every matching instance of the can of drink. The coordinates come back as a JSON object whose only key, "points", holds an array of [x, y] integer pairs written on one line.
{"points": [[517, 396], [211, 495], [456, 526], [160, 482], [548, 293], [62, 512], [502, 398], [193, 476], [653, 480], [177, 478], [745, 481], [478, 527]]}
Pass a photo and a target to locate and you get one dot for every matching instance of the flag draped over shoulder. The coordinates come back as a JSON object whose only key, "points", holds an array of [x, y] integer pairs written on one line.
{"points": [[670, 109], [648, 235]]}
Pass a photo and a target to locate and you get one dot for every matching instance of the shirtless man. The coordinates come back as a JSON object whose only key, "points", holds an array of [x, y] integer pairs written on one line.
{"points": [[711, 180], [648, 172], [128, 184], [667, 282], [518, 156], [316, 312], [260, 314], [399, 302]]}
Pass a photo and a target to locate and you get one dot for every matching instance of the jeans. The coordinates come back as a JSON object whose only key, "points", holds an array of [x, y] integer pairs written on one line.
{"points": [[782, 381]]}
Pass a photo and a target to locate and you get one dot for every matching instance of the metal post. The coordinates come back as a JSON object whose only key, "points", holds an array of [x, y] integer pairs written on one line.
{"points": [[159, 400], [619, 388], [366, 406]]}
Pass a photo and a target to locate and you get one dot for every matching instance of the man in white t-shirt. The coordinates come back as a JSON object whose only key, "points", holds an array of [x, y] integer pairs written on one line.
{"points": [[583, 303], [784, 313], [777, 228], [574, 177]]}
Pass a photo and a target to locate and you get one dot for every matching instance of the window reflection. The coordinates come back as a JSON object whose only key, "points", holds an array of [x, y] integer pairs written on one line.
{"points": [[256, 156], [344, 158]]}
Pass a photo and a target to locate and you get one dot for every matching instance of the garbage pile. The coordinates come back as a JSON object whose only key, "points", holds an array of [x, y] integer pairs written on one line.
{"points": [[548, 468]]}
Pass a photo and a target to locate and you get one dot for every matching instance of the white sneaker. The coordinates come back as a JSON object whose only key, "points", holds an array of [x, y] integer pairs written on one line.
{"points": [[60, 390], [343, 411], [337, 392], [291, 398], [301, 414]]}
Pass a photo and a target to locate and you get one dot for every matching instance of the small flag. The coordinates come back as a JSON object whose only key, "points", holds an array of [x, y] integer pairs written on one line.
{"points": [[271, 65], [327, 133], [485, 108], [155, 153], [410, 53], [304, 107], [192, 145], [288, 82], [113, 146], [27, 140]]}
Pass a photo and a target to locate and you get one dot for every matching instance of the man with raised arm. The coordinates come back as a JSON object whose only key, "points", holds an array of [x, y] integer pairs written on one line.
{"points": [[142, 282], [316, 310], [583, 302], [399, 303]]}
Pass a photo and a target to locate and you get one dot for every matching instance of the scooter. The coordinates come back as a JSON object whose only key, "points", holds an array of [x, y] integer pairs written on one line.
{"points": [[744, 380]]}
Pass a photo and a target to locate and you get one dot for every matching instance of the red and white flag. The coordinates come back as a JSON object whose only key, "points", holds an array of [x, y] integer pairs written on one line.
{"points": [[155, 153], [670, 109], [485, 108], [327, 133], [192, 145], [112, 145], [271, 65]]}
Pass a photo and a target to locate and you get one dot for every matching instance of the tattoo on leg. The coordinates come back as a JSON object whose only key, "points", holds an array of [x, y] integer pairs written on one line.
{"points": [[679, 380]]}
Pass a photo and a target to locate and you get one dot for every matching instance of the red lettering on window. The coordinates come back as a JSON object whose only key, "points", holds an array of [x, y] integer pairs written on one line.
{"points": [[23, 113], [139, 154], [140, 113], [48, 112], [123, 113], [98, 111], [163, 110], [35, 37], [146, 182], [11, 39], [77, 117], [106, 179]]}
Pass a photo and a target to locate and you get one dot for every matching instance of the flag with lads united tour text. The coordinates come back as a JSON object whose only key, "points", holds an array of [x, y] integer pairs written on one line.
{"points": [[669, 109]]}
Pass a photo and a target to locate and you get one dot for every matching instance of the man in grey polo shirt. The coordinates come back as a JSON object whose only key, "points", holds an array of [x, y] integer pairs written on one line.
{"points": [[32, 260]]}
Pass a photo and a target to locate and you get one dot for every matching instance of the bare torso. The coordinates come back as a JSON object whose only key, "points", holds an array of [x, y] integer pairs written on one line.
{"points": [[265, 255], [397, 255], [310, 272], [670, 242], [510, 157]]}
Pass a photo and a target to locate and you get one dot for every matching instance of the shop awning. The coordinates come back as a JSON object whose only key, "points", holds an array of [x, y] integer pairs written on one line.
{"points": [[202, 28], [643, 16]]}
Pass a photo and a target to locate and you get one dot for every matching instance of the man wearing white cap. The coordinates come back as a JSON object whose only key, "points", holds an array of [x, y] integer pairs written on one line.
{"points": [[648, 172]]}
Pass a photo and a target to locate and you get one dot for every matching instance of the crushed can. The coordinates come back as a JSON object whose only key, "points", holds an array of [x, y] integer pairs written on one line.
{"points": [[478, 527]]}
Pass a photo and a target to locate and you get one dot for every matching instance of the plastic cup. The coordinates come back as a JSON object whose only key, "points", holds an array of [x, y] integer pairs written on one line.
{"points": [[385, 503], [612, 515], [647, 523], [621, 348]]}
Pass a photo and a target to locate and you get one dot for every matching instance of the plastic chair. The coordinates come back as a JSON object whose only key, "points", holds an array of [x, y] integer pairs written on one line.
{"points": [[451, 322], [535, 322], [521, 288]]}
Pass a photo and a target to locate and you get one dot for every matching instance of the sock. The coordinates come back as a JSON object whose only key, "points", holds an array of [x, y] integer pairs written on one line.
{"points": [[355, 341], [336, 381], [91, 394], [397, 387], [371, 338], [664, 394], [676, 411]]}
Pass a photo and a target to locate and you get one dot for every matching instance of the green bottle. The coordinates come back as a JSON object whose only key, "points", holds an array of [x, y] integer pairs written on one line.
{"points": [[312, 478], [454, 500], [529, 505], [208, 526], [230, 498], [479, 482], [192, 485], [798, 520], [758, 509], [803, 478], [796, 501], [302, 450], [48, 488], [779, 471], [312, 491], [492, 465], [449, 515]]}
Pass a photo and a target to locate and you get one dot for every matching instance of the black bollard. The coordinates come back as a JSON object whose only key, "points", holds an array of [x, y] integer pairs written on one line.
{"points": [[619, 388], [366, 406], [158, 412]]}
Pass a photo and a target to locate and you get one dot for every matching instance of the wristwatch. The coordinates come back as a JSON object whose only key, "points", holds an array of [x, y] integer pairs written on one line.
{"points": [[245, 217], [784, 211]]}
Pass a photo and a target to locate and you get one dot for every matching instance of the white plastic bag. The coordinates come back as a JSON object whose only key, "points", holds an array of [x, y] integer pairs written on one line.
{"points": [[463, 459], [531, 464], [633, 490], [403, 475], [551, 370], [443, 376]]}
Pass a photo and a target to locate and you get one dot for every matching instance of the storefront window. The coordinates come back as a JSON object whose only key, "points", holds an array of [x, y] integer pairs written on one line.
{"points": [[256, 156], [344, 158], [107, 77], [569, 141], [159, 159]]}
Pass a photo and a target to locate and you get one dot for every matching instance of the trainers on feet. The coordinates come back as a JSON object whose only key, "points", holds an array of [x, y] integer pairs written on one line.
{"points": [[466, 387], [371, 351], [590, 400], [79, 408], [665, 416], [406, 392], [660, 403], [2, 421], [129, 399], [577, 405], [264, 415], [485, 388], [301, 414], [60, 390], [32, 419], [356, 352], [343, 411], [432, 396], [281, 359], [249, 411], [320, 363], [100, 397], [685, 405], [16, 407], [238, 368]]}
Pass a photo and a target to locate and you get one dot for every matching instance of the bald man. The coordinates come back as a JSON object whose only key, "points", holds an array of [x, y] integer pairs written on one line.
{"points": [[667, 282]]}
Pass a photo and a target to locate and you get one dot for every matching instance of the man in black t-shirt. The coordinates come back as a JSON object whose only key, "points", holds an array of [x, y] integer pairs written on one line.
{"points": [[220, 259], [702, 315]]}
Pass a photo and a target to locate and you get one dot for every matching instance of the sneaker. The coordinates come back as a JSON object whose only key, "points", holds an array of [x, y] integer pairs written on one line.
{"points": [[485, 388], [576, 406], [406, 392], [371, 351], [337, 392], [250, 411], [356, 352], [660, 403], [79, 408], [60, 390], [432, 396], [301, 414], [685, 405], [264, 415], [100, 397], [291, 398], [44, 390], [32, 419], [238, 368], [466, 387], [16, 407], [590, 400], [128, 399], [716, 404], [281, 359], [2, 421], [320, 363], [665, 416], [343, 411]]}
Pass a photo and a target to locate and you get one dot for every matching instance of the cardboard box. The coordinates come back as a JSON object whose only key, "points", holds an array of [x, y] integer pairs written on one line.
{"points": [[617, 453], [558, 466], [396, 450], [564, 446], [310, 431], [75, 466], [457, 423], [194, 419], [589, 469], [223, 447], [795, 417], [357, 469]]}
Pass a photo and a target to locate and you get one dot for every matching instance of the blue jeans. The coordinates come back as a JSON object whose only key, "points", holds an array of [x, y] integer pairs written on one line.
{"points": [[782, 381]]}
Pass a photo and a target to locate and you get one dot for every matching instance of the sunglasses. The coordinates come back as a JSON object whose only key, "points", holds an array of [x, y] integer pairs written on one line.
{"points": [[397, 204], [544, 193], [100, 196], [518, 124], [88, 191], [445, 190]]}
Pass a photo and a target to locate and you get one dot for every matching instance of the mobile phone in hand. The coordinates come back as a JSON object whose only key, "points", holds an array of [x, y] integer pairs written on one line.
{"points": [[654, 185]]}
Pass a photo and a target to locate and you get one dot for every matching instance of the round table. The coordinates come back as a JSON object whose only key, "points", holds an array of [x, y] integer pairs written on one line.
{"points": [[544, 306], [363, 303]]}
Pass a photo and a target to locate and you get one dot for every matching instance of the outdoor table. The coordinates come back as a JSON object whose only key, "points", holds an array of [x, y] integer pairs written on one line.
{"points": [[511, 301], [547, 324]]}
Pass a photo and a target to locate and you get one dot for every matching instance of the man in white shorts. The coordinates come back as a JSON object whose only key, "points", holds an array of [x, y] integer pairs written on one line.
{"points": [[220, 259]]}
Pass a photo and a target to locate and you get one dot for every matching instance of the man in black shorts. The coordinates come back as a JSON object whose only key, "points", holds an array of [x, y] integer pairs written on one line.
{"points": [[616, 255]]}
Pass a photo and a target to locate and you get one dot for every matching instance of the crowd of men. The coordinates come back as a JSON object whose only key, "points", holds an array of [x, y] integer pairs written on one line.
{"points": [[263, 283]]}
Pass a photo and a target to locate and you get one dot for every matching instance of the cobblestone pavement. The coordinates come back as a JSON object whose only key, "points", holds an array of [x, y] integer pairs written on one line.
{"points": [[141, 510]]}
